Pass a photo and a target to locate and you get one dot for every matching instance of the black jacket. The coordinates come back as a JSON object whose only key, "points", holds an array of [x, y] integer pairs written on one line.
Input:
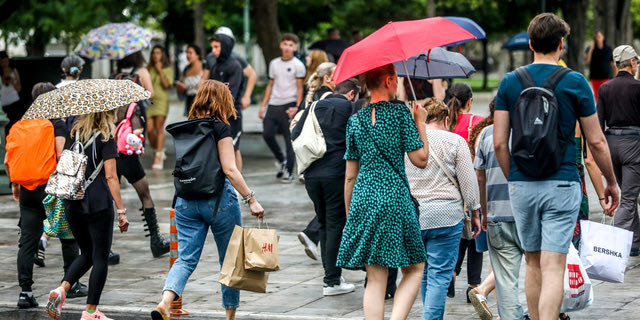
{"points": [[333, 114], [228, 70], [619, 102]]}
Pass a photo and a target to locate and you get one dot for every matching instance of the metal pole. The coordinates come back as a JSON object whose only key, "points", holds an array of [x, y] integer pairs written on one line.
{"points": [[410, 84], [247, 36]]}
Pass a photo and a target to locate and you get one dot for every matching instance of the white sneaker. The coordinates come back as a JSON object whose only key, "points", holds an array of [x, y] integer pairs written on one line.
{"points": [[342, 288], [310, 248]]}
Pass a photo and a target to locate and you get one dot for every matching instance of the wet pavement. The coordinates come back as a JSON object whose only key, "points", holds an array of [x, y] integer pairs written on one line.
{"points": [[295, 292]]}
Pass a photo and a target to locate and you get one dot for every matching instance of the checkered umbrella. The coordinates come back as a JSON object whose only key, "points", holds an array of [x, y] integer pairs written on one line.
{"points": [[85, 96], [114, 41]]}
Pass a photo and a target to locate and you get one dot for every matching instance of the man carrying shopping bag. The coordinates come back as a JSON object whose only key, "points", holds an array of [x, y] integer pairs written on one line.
{"points": [[604, 250]]}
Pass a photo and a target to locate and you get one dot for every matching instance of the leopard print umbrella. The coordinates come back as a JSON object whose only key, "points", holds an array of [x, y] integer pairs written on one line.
{"points": [[85, 96]]}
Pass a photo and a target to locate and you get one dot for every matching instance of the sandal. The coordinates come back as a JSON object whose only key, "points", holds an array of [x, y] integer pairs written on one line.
{"points": [[479, 302]]}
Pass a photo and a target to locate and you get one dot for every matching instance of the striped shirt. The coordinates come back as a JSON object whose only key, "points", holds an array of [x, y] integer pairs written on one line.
{"points": [[498, 204]]}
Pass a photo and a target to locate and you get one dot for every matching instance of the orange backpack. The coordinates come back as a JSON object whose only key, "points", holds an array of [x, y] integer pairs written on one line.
{"points": [[31, 152]]}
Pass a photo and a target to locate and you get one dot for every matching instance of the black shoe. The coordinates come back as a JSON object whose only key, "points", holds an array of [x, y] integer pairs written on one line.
{"points": [[467, 294], [77, 290], [634, 252], [451, 292], [114, 258], [26, 301], [564, 316], [287, 177], [282, 170], [39, 256]]}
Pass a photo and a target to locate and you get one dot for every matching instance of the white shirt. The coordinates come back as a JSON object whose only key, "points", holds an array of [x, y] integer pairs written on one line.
{"points": [[284, 75], [441, 203]]}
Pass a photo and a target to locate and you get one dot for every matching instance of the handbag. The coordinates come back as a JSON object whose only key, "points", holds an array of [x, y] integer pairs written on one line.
{"points": [[233, 274], [261, 251], [578, 290], [300, 113], [604, 250], [68, 179], [467, 228], [403, 177], [56, 224], [310, 145]]}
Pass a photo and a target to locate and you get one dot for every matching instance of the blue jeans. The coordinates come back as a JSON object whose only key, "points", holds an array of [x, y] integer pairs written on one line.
{"points": [[442, 246], [193, 219], [506, 253]]}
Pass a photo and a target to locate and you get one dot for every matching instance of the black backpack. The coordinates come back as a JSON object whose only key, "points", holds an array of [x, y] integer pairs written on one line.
{"points": [[537, 144], [198, 173]]}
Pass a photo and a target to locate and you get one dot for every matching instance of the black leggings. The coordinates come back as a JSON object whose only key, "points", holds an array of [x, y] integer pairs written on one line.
{"points": [[474, 261], [93, 232]]}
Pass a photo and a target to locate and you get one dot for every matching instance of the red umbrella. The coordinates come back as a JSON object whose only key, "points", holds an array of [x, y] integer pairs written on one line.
{"points": [[397, 41]]}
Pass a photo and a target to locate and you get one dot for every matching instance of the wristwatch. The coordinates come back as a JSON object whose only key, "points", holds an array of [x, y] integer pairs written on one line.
{"points": [[122, 211]]}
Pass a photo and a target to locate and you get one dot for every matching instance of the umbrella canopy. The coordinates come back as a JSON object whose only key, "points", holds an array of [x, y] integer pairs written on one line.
{"points": [[468, 25], [333, 47], [397, 41], [114, 41], [437, 63], [518, 42], [85, 96]]}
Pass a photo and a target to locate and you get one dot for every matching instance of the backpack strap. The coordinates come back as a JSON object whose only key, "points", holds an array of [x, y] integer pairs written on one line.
{"points": [[326, 94], [525, 77], [470, 127], [555, 77], [132, 107]]}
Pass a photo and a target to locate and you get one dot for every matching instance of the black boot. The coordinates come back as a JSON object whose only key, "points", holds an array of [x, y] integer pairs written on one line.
{"points": [[159, 245]]}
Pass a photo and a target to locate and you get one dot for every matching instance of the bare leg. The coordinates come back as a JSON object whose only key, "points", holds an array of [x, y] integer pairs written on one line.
{"points": [[151, 133], [165, 305], [488, 285], [407, 291], [231, 314], [238, 160], [142, 188], [552, 266], [373, 301], [159, 143], [533, 281]]}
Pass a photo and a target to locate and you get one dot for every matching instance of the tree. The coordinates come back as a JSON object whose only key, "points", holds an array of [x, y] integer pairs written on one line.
{"points": [[575, 14], [265, 13], [613, 18]]}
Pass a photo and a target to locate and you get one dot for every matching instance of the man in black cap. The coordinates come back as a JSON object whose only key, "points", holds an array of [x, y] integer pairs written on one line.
{"points": [[619, 115]]}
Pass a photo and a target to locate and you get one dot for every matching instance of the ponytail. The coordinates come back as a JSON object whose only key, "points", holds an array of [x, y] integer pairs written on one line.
{"points": [[316, 79], [460, 95]]}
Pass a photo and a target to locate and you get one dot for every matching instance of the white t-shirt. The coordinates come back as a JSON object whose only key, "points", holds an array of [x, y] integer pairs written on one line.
{"points": [[284, 75], [64, 82]]}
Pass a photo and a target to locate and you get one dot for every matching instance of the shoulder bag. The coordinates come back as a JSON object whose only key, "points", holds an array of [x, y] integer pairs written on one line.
{"points": [[467, 230]]}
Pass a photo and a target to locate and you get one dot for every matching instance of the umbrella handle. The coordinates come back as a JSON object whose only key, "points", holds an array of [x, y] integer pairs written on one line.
{"points": [[406, 71]]}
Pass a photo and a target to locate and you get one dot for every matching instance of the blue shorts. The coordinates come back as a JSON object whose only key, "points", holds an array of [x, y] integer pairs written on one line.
{"points": [[545, 213]]}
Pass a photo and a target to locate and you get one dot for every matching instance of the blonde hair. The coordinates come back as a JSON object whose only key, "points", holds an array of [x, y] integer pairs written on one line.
{"points": [[88, 124], [436, 110], [317, 57], [317, 78], [213, 100]]}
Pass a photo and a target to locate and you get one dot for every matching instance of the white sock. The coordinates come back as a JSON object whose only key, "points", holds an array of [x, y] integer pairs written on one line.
{"points": [[44, 242]]}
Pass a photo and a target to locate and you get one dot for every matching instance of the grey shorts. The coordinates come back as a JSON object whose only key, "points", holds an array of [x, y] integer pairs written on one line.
{"points": [[545, 213]]}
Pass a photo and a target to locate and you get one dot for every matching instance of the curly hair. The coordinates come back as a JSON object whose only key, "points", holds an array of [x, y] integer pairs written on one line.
{"points": [[213, 100]]}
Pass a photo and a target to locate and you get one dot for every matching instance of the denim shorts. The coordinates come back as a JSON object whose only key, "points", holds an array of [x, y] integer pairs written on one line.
{"points": [[545, 213]]}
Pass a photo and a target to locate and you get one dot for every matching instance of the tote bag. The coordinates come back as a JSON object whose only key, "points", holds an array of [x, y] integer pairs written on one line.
{"points": [[310, 145], [604, 250]]}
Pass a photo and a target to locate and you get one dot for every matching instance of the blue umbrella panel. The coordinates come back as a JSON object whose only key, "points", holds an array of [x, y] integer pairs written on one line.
{"points": [[436, 63]]}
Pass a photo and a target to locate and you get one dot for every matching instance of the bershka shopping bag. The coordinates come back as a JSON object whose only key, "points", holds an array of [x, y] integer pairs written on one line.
{"points": [[604, 250], [578, 293], [261, 249], [233, 274]]}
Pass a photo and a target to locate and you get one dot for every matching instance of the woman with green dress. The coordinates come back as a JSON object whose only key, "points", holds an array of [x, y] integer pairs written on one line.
{"points": [[382, 229], [162, 78]]}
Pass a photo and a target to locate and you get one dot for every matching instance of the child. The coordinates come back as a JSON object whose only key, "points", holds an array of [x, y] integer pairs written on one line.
{"points": [[283, 94]]}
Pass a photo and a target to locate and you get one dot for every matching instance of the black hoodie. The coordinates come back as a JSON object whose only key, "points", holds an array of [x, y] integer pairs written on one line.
{"points": [[228, 70]]}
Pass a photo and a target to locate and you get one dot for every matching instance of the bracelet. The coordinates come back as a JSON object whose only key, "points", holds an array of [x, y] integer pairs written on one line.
{"points": [[602, 198], [122, 211], [248, 197]]}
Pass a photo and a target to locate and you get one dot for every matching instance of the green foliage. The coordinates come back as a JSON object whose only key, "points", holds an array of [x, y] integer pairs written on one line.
{"points": [[635, 17]]}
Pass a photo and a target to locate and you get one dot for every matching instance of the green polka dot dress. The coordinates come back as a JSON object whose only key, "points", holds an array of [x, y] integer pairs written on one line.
{"points": [[382, 227]]}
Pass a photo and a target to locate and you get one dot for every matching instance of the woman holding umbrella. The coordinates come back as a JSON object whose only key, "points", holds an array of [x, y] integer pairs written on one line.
{"points": [[382, 229], [91, 217]]}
